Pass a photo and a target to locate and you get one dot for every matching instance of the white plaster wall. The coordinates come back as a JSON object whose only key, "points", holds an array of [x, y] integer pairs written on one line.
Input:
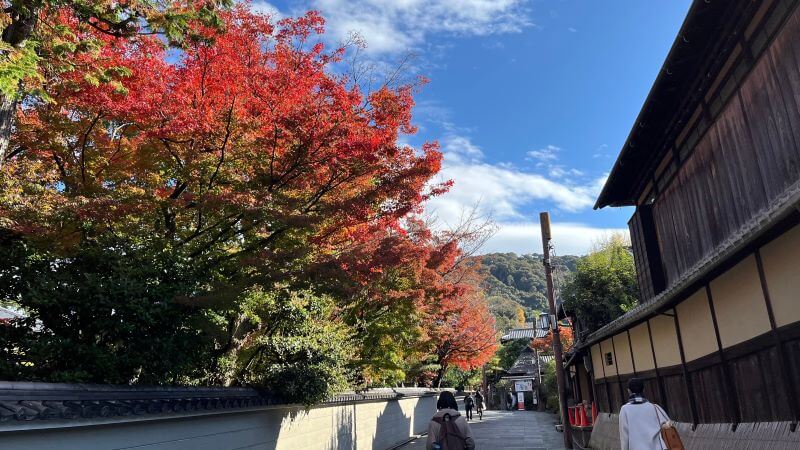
{"points": [[365, 425]]}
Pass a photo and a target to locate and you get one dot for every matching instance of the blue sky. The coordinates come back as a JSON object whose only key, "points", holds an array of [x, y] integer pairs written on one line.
{"points": [[531, 100]]}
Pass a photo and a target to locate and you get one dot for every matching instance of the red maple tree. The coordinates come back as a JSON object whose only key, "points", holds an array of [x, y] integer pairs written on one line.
{"points": [[247, 156], [545, 344]]}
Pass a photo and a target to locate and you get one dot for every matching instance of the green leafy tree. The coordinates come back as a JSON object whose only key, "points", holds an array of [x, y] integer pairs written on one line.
{"points": [[520, 278], [292, 347], [94, 315], [550, 387], [509, 352], [603, 286], [462, 379]]}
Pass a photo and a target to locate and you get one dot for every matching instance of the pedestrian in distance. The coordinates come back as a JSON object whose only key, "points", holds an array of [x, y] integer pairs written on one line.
{"points": [[510, 400], [640, 421], [448, 430], [469, 403], [479, 403]]}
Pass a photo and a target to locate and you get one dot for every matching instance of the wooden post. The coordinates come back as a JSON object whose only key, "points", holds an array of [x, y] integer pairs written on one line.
{"points": [[727, 377], [544, 222], [791, 392], [687, 380], [484, 385]]}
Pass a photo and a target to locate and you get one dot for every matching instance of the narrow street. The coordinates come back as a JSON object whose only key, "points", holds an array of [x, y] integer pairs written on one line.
{"points": [[510, 430]]}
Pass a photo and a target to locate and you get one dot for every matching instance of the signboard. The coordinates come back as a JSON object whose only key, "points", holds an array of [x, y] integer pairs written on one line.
{"points": [[523, 385]]}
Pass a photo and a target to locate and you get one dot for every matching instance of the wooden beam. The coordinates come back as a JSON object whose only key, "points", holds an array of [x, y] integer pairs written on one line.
{"points": [[686, 379], [659, 381], [791, 389], [590, 372], [630, 347], [605, 377], [622, 395], [727, 379]]}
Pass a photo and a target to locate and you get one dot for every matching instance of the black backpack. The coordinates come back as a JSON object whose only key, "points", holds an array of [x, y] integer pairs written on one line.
{"points": [[468, 402], [450, 437]]}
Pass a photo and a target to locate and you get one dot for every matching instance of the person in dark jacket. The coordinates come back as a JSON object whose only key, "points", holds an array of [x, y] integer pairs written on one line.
{"points": [[469, 403], [447, 406], [479, 406]]}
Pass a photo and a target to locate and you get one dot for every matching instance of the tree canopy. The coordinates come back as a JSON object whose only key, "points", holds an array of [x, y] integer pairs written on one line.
{"points": [[238, 212], [34, 38], [603, 286]]}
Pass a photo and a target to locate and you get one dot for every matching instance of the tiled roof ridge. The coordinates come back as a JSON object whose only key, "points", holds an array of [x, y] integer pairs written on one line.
{"points": [[30, 401]]}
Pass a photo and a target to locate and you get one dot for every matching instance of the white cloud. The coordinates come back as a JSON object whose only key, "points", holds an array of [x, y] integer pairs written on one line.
{"points": [[572, 30], [549, 153], [267, 8], [501, 190], [559, 171], [507, 193], [460, 147], [391, 26], [568, 238]]}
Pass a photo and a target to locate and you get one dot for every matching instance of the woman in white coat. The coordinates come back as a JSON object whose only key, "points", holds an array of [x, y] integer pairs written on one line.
{"points": [[640, 421]]}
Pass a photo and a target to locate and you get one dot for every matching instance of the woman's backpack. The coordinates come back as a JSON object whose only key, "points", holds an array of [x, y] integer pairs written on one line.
{"points": [[450, 436]]}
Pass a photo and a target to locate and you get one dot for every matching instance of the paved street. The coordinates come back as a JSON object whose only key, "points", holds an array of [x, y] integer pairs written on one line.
{"points": [[512, 430]]}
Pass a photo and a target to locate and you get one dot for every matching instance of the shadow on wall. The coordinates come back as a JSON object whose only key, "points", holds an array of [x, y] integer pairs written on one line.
{"points": [[392, 425], [377, 424], [344, 426], [423, 411]]}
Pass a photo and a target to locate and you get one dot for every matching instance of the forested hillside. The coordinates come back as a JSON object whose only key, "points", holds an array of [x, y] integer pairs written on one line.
{"points": [[516, 284]]}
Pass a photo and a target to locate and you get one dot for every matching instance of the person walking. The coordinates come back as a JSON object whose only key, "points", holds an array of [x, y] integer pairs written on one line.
{"points": [[510, 400], [640, 421], [448, 430], [469, 403], [479, 403]]}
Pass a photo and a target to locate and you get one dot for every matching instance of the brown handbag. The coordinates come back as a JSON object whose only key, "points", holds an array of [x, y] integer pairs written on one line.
{"points": [[669, 433]]}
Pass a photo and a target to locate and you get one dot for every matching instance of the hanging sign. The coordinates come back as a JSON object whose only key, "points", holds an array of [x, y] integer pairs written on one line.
{"points": [[523, 385]]}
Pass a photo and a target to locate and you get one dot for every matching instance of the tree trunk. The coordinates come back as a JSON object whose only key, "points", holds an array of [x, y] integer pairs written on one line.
{"points": [[23, 20], [8, 107], [439, 377]]}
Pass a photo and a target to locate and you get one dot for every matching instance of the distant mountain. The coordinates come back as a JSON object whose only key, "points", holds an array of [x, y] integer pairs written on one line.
{"points": [[516, 282]]}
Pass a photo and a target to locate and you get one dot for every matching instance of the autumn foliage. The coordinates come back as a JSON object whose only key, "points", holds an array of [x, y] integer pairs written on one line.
{"points": [[226, 172], [545, 344]]}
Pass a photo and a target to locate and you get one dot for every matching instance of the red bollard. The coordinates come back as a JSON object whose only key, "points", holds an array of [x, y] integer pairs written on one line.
{"points": [[583, 420], [571, 413]]}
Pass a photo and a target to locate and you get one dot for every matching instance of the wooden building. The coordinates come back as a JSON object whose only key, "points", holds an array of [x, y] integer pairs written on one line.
{"points": [[712, 167]]}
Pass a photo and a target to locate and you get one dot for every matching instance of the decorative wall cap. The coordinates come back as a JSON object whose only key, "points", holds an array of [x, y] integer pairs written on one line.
{"points": [[31, 401]]}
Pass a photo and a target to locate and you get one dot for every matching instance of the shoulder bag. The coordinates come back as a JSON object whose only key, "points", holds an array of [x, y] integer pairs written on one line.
{"points": [[668, 432]]}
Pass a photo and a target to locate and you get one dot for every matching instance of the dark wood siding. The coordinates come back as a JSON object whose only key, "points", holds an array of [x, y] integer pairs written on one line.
{"points": [[793, 352], [756, 376], [709, 390], [602, 397], [649, 272], [748, 157], [677, 398]]}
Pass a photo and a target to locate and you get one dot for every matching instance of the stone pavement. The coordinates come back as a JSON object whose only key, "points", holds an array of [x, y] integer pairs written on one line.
{"points": [[510, 429]]}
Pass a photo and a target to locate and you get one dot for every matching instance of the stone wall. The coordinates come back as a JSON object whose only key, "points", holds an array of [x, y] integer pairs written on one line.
{"points": [[717, 436], [363, 424]]}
